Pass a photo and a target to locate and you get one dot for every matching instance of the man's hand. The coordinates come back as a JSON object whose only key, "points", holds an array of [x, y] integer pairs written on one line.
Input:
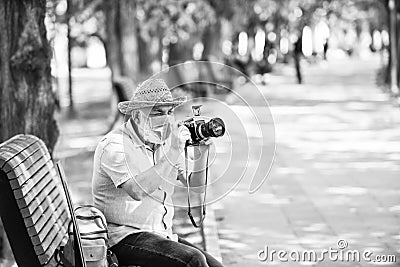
{"points": [[150, 180], [200, 154], [197, 181], [206, 143], [179, 135]]}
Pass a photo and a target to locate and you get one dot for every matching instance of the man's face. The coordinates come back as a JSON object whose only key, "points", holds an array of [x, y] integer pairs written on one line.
{"points": [[160, 111], [153, 112], [158, 121]]}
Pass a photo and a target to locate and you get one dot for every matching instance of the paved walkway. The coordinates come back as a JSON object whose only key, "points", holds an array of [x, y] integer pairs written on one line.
{"points": [[336, 170]]}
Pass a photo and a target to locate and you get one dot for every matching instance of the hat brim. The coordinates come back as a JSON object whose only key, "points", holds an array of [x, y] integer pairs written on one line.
{"points": [[126, 107]]}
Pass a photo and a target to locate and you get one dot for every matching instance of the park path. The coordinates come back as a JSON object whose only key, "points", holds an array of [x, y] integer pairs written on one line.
{"points": [[335, 173]]}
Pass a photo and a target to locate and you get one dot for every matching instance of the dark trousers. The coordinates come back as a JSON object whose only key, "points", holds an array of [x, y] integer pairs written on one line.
{"points": [[151, 250]]}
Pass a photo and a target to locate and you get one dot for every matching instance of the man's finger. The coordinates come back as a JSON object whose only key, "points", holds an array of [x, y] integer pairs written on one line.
{"points": [[208, 142]]}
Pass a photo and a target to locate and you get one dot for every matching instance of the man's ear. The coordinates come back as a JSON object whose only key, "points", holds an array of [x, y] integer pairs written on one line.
{"points": [[135, 116]]}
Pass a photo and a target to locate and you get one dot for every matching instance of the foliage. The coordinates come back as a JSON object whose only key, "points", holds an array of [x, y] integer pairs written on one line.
{"points": [[85, 17], [173, 20], [185, 21], [295, 14]]}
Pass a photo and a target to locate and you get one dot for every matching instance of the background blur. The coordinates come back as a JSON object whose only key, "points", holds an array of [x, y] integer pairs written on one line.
{"points": [[329, 70], [136, 39]]}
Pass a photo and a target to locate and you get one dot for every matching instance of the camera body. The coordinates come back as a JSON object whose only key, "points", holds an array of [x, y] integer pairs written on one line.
{"points": [[200, 129]]}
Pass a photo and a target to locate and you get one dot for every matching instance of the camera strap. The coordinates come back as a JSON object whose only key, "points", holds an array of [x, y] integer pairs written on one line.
{"points": [[203, 205]]}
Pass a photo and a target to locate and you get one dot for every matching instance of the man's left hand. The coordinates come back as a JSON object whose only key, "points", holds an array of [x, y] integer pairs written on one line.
{"points": [[205, 145], [206, 142]]}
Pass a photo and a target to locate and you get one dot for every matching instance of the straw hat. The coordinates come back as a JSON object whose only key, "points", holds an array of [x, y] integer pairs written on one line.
{"points": [[150, 93]]}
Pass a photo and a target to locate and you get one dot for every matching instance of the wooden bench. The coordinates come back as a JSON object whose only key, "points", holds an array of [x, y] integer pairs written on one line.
{"points": [[33, 206]]}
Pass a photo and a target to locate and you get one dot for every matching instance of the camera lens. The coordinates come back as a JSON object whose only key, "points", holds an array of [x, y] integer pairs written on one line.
{"points": [[214, 128]]}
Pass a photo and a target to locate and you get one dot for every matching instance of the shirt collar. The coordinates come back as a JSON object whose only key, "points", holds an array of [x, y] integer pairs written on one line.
{"points": [[127, 128]]}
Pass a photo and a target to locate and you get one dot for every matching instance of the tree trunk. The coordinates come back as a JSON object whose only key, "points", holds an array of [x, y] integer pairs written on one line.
{"points": [[122, 43], [145, 57], [211, 40], [113, 39], [69, 49], [129, 42], [27, 101], [393, 47], [178, 53]]}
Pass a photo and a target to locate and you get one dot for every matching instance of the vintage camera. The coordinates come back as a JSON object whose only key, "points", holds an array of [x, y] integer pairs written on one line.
{"points": [[200, 129]]}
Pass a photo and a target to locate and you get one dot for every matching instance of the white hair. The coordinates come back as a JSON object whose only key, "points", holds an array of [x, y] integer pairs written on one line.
{"points": [[134, 113]]}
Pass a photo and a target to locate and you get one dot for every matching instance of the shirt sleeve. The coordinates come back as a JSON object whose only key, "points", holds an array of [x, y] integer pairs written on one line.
{"points": [[114, 163]]}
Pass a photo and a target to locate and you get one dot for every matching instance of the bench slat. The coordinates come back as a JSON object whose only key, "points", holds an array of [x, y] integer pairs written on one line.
{"points": [[35, 184], [34, 229], [18, 137], [40, 211], [56, 242], [56, 230], [20, 179], [23, 157], [25, 166], [38, 239], [7, 153], [37, 227], [48, 194], [48, 185], [15, 152], [27, 140], [32, 195]]}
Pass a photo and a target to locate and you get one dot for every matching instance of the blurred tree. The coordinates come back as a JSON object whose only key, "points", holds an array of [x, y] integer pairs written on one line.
{"points": [[211, 36], [150, 28], [69, 49], [121, 38], [140, 36], [178, 25]]}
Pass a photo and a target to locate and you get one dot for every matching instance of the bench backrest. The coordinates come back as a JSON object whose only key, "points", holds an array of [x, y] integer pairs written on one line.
{"points": [[33, 206]]}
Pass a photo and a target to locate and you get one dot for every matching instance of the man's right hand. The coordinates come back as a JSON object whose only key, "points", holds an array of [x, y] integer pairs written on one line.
{"points": [[179, 135]]}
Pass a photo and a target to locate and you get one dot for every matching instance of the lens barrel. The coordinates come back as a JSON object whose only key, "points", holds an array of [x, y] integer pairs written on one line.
{"points": [[214, 128]]}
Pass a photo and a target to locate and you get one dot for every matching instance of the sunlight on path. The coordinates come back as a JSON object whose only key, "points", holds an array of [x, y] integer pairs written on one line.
{"points": [[336, 170]]}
